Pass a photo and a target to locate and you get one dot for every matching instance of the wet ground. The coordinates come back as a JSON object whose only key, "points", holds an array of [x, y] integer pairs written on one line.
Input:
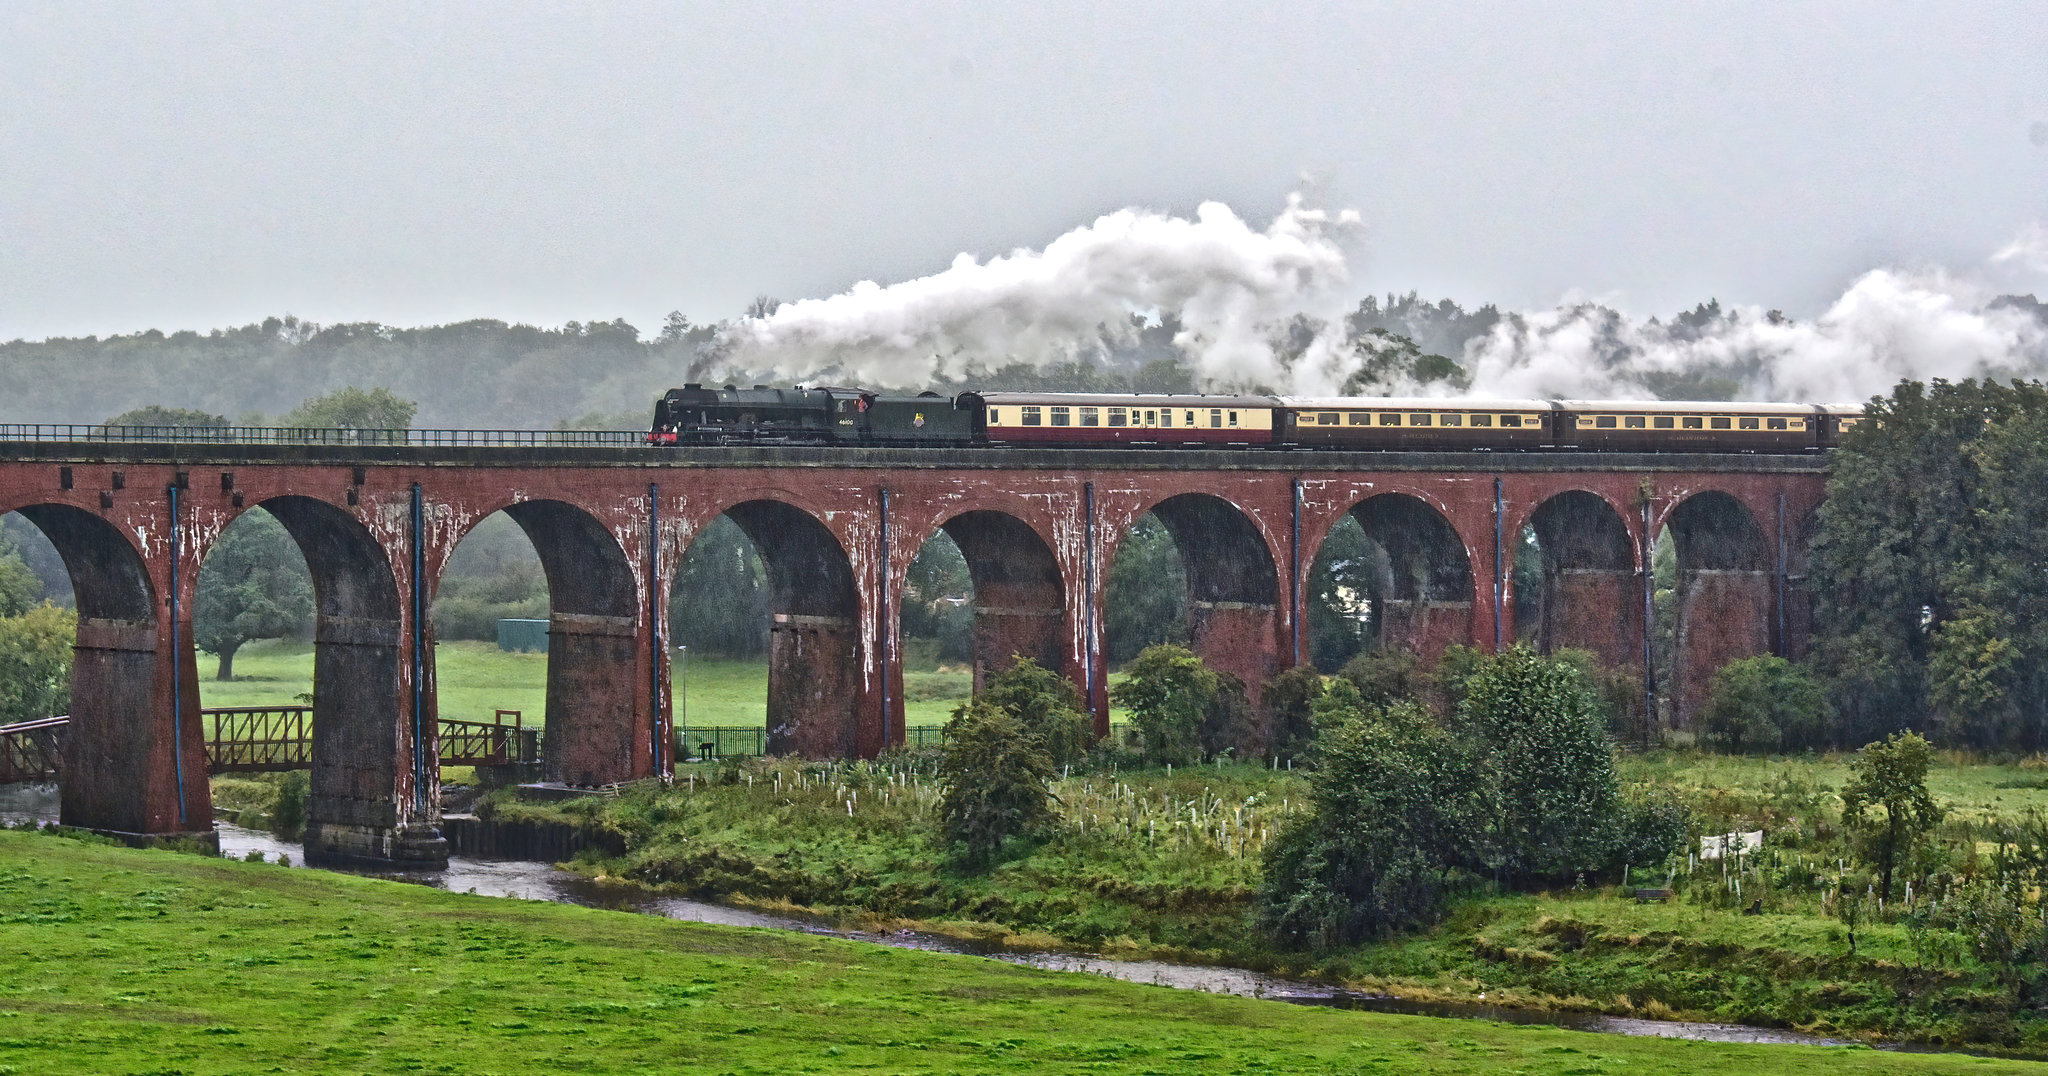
{"points": [[526, 880]]}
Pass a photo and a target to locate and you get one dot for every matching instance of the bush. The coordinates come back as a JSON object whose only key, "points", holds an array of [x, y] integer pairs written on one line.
{"points": [[995, 781], [1046, 704], [1394, 803], [1549, 772], [1169, 693], [1291, 698], [288, 814], [1764, 704], [1385, 677]]}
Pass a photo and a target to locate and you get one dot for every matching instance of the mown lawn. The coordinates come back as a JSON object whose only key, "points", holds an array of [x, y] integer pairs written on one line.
{"points": [[477, 678], [121, 961]]}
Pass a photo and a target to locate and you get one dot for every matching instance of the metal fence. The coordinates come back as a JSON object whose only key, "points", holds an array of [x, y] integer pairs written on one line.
{"points": [[279, 435], [743, 741]]}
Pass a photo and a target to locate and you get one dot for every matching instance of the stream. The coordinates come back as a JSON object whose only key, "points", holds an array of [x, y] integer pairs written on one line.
{"points": [[528, 880]]}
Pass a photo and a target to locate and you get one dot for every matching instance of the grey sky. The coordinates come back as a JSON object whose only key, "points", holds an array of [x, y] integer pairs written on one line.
{"points": [[193, 166]]}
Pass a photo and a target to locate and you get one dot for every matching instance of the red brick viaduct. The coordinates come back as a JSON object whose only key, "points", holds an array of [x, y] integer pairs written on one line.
{"points": [[837, 530]]}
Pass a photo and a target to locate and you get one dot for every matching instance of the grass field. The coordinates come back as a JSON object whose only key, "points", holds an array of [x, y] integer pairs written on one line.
{"points": [[477, 678], [121, 961]]}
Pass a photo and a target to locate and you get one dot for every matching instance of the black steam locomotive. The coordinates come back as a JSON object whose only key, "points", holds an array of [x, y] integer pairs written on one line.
{"points": [[695, 415]]}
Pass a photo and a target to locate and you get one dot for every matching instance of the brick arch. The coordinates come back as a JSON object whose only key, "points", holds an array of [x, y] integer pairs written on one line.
{"points": [[1020, 592], [597, 722], [818, 650], [1726, 593], [1233, 580], [125, 770], [1591, 596], [369, 733], [1428, 592]]}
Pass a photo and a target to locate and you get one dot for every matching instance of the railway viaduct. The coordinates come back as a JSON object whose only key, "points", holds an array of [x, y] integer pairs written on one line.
{"points": [[837, 530]]}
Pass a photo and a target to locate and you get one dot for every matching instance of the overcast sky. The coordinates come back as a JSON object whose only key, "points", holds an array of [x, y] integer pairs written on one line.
{"points": [[190, 166]]}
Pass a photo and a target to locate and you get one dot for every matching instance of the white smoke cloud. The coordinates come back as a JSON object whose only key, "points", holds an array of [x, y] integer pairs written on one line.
{"points": [[1887, 326], [1231, 287], [1265, 307]]}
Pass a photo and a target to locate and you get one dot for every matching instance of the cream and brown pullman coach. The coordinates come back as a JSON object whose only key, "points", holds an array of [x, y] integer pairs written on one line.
{"points": [[1671, 426], [1137, 418], [1366, 422]]}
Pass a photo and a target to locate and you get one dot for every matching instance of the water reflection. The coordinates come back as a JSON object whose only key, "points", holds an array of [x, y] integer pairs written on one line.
{"points": [[525, 880]]}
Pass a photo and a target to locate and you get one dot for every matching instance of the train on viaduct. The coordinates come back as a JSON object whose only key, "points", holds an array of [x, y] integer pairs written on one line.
{"points": [[837, 530]]}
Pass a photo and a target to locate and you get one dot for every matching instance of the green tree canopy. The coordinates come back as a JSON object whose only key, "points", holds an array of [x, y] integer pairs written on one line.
{"points": [[253, 585], [158, 415], [35, 663], [352, 409], [1927, 566], [1169, 693], [1887, 803]]}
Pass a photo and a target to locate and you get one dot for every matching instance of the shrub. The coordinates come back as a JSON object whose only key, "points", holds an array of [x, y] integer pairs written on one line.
{"points": [[1548, 769], [1765, 704], [1046, 704], [1169, 693], [995, 782], [1384, 677], [288, 813], [1394, 801], [1291, 698]]}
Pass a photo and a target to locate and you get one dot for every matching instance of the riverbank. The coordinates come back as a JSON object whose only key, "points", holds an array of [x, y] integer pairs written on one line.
{"points": [[117, 960], [1151, 865]]}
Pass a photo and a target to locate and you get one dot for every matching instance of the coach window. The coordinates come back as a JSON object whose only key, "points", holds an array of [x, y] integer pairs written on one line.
{"points": [[1749, 424], [1091, 416], [995, 417], [1031, 416], [1633, 422], [1116, 416], [1233, 418], [1511, 422], [1604, 422], [1450, 420], [1775, 424], [1721, 422], [1388, 418], [1327, 418], [1151, 418], [1482, 420], [1662, 422], [1692, 422], [1062, 416], [1358, 418], [1188, 419], [1418, 419]]}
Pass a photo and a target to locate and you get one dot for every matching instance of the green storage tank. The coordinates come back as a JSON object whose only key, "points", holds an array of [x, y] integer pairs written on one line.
{"points": [[523, 635]]}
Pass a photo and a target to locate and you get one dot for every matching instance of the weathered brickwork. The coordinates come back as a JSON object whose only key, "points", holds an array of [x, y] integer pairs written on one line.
{"points": [[838, 532]]}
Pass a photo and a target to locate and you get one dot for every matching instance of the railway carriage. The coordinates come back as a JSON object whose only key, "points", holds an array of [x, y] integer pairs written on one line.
{"points": [[1138, 418], [1395, 423], [1671, 426]]}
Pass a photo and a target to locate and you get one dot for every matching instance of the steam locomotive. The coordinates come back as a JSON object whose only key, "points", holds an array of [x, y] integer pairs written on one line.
{"points": [[695, 415]]}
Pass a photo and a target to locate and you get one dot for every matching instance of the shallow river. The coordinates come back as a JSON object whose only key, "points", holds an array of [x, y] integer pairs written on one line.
{"points": [[528, 880]]}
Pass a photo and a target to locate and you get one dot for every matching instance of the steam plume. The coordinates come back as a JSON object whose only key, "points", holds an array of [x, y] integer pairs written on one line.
{"points": [[1265, 308], [1230, 286]]}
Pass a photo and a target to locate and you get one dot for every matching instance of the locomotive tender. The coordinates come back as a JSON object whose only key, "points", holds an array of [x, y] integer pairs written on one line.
{"points": [[695, 415]]}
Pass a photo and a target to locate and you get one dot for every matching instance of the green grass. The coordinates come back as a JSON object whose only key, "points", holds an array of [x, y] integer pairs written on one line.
{"points": [[476, 678], [121, 961], [1972, 790], [1143, 864]]}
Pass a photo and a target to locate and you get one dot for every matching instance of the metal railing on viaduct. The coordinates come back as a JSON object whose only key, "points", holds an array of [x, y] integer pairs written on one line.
{"points": [[377, 513]]}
